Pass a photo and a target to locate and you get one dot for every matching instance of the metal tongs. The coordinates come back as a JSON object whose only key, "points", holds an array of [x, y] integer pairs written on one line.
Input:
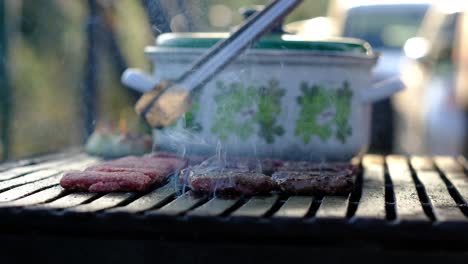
{"points": [[168, 101]]}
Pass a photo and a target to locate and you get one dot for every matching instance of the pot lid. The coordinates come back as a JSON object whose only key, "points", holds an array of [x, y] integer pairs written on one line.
{"points": [[270, 41]]}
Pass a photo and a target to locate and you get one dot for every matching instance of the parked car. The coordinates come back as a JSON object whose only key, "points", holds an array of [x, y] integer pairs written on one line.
{"points": [[317, 27], [435, 74], [386, 25]]}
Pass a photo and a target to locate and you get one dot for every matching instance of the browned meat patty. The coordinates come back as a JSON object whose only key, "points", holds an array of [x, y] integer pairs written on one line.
{"points": [[316, 179], [99, 181], [124, 174], [265, 166], [228, 181], [249, 176], [312, 166]]}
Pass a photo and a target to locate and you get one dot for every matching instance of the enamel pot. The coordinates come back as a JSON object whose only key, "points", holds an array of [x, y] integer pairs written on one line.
{"points": [[285, 97]]}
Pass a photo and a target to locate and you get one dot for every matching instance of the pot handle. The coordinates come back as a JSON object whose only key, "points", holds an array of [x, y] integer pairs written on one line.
{"points": [[381, 90], [138, 80]]}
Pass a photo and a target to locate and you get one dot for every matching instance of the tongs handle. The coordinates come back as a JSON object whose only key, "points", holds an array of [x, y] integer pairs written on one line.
{"points": [[225, 51], [166, 103]]}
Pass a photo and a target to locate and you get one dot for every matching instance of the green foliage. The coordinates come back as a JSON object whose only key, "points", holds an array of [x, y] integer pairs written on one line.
{"points": [[47, 58], [317, 101], [306, 10], [47, 55]]}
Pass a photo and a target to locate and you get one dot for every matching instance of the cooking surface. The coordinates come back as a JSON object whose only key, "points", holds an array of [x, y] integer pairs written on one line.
{"points": [[416, 198]]}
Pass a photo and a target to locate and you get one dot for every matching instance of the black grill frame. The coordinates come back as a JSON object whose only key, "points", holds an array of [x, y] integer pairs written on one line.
{"points": [[374, 216]]}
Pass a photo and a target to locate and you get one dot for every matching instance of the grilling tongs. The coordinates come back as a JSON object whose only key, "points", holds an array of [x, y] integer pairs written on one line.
{"points": [[167, 101]]}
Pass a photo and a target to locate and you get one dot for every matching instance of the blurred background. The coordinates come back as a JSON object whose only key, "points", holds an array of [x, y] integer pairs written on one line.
{"points": [[62, 60]]}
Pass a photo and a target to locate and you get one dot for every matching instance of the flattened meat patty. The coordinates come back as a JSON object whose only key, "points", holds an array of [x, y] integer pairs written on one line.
{"points": [[316, 178], [157, 162], [313, 166], [124, 174], [99, 181], [228, 181], [249, 177]]}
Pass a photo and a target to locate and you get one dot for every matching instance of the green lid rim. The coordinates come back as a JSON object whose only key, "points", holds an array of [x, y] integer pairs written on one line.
{"points": [[271, 41]]}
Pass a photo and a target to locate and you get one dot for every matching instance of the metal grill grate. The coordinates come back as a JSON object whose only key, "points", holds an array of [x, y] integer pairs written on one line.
{"points": [[396, 197]]}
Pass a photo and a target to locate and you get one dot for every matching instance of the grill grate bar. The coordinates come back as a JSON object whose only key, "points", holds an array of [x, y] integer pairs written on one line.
{"points": [[422, 163], [463, 162], [20, 171], [390, 207], [106, 201], [37, 198], [407, 204], [453, 176], [214, 207], [148, 201], [333, 207], [295, 207], [256, 206], [29, 188], [459, 184], [372, 203], [36, 161], [71, 200], [37, 181], [28, 178], [355, 195], [447, 164], [444, 207], [183, 203], [42, 174]]}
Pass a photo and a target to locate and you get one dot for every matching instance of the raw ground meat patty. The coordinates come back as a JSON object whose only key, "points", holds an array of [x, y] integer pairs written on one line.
{"points": [[99, 181], [316, 178], [125, 174], [158, 162]]}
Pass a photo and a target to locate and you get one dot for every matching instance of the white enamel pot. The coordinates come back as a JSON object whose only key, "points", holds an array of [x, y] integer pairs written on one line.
{"points": [[299, 103]]}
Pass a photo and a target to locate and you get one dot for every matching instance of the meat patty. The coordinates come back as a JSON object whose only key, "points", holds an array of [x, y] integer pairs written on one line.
{"points": [[159, 175], [265, 166], [163, 162], [100, 181], [249, 176], [125, 174], [312, 166], [228, 181], [316, 179]]}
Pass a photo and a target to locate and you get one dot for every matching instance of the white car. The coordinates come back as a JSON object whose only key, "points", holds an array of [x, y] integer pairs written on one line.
{"points": [[386, 25], [431, 113]]}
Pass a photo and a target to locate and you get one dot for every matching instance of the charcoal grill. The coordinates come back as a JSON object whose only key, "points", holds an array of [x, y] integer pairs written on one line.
{"points": [[403, 209]]}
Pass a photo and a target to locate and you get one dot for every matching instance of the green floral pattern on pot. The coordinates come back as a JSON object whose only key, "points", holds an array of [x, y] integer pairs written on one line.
{"points": [[269, 107], [244, 110], [324, 112], [191, 122]]}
